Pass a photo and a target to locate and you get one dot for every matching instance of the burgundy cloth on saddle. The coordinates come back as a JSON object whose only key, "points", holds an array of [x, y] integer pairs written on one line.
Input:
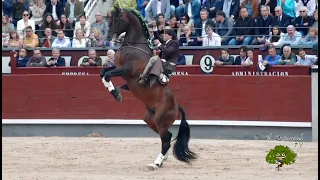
{"points": [[157, 68]]}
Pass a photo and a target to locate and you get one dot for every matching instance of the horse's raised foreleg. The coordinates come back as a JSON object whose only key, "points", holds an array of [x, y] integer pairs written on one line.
{"points": [[106, 80]]}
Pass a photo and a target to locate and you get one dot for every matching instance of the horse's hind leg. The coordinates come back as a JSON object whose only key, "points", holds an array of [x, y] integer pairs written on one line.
{"points": [[106, 80], [163, 122]]}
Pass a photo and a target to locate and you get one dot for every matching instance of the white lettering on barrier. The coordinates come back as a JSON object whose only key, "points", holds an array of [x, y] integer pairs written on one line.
{"points": [[180, 73], [74, 73], [252, 73]]}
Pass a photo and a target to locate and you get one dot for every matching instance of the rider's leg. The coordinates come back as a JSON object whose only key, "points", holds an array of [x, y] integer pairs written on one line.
{"points": [[143, 78]]}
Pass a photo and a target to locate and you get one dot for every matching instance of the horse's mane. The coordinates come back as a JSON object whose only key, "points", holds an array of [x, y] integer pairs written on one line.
{"points": [[142, 21]]}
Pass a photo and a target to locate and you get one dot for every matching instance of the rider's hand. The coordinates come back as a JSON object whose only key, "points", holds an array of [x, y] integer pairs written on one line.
{"points": [[156, 42]]}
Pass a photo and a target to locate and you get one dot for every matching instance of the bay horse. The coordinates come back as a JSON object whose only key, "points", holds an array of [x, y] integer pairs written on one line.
{"points": [[162, 108]]}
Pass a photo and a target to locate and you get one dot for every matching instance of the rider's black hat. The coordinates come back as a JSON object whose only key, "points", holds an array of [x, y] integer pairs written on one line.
{"points": [[171, 32]]}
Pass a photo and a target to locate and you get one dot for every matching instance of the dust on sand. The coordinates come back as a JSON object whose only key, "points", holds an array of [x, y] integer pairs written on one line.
{"points": [[32, 158]]}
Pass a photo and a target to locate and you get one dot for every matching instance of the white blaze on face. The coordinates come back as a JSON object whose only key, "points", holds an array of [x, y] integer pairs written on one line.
{"points": [[108, 85]]}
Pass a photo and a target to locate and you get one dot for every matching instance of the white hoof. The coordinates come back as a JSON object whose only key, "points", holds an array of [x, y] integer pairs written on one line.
{"points": [[152, 167]]}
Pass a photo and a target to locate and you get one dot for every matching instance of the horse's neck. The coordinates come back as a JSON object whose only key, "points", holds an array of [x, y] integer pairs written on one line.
{"points": [[132, 37]]}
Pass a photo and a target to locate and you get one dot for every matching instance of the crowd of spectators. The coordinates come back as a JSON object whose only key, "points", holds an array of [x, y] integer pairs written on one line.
{"points": [[62, 24]]}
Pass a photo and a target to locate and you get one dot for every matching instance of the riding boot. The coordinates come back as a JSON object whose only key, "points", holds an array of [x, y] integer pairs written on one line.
{"points": [[144, 76]]}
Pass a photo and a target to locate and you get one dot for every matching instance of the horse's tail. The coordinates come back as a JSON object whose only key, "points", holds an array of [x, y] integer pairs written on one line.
{"points": [[181, 150]]}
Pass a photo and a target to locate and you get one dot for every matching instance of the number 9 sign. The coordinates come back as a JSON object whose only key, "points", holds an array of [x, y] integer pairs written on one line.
{"points": [[207, 63]]}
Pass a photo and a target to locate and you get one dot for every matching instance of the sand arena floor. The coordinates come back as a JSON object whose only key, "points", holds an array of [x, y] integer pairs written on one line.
{"points": [[51, 158]]}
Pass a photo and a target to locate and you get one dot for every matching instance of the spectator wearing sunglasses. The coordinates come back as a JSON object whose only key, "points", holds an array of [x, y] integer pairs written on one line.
{"points": [[25, 22], [31, 39]]}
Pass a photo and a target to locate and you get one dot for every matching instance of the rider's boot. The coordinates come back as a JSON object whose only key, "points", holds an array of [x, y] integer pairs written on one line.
{"points": [[144, 76]]}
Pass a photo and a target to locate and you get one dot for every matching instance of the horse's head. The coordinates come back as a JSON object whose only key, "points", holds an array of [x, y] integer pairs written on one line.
{"points": [[118, 24]]}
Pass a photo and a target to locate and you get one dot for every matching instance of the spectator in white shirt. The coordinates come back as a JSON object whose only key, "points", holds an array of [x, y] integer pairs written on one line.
{"points": [[84, 25], [25, 22], [305, 60], [61, 41], [249, 59], [79, 41], [211, 39]]}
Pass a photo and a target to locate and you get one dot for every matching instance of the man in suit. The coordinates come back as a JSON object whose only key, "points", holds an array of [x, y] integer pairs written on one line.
{"points": [[152, 10], [281, 19], [169, 50], [55, 8]]}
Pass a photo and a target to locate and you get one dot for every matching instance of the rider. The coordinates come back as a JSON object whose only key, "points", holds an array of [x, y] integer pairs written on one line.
{"points": [[169, 50]]}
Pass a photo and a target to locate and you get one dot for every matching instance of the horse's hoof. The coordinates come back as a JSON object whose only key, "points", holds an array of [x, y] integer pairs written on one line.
{"points": [[152, 167], [119, 98], [117, 95]]}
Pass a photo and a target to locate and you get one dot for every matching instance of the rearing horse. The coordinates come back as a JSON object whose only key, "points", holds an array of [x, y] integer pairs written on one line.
{"points": [[161, 106]]}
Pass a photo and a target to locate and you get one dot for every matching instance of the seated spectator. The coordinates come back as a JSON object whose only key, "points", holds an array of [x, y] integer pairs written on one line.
{"points": [[252, 6], [37, 11], [311, 38], [17, 10], [37, 60], [6, 28], [303, 22], [110, 58], [305, 60], [161, 24], [7, 7], [173, 23], [270, 60], [73, 10], [246, 28], [79, 41], [93, 59], [315, 22], [291, 37], [61, 41], [249, 60], [25, 22], [188, 38], [224, 27], [48, 22], [203, 24], [64, 24], [263, 26], [242, 55], [22, 58], [211, 39], [194, 11], [13, 41], [101, 25], [84, 25], [275, 37], [55, 8], [281, 19], [96, 39], [184, 20], [48, 38], [212, 6], [181, 59], [152, 10], [287, 58], [310, 4], [224, 59], [271, 4], [31, 39], [56, 60]]}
